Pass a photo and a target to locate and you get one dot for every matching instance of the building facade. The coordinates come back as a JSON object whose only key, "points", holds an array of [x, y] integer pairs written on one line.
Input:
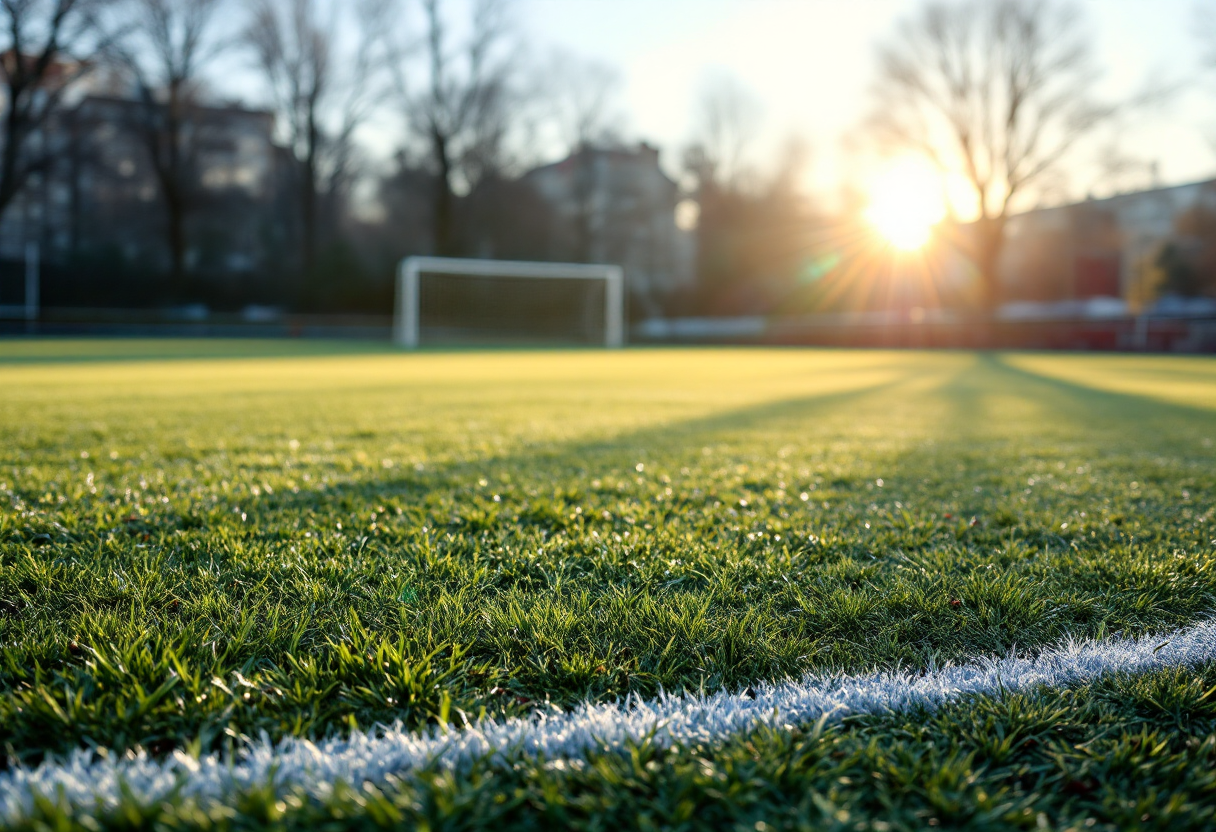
{"points": [[100, 196], [616, 205], [1135, 248]]}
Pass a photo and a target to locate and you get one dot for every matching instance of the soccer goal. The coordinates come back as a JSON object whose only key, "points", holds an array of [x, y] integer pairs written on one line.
{"points": [[445, 300]]}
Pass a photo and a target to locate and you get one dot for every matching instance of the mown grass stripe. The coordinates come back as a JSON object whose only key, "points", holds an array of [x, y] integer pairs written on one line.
{"points": [[314, 768]]}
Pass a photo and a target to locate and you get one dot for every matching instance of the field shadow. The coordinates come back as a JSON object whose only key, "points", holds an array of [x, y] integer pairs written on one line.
{"points": [[562, 460], [1066, 412], [1114, 409]]}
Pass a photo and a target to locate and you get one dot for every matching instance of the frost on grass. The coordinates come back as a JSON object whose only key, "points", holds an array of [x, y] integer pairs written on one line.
{"points": [[295, 765]]}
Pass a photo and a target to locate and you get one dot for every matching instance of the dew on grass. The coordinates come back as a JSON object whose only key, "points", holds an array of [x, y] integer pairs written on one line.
{"points": [[702, 532]]}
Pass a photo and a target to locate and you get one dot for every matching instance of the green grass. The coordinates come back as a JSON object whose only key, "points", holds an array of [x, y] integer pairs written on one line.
{"points": [[303, 539], [1124, 754]]}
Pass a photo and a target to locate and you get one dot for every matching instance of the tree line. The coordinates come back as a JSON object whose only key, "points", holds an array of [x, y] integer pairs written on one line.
{"points": [[447, 79], [1003, 95]]}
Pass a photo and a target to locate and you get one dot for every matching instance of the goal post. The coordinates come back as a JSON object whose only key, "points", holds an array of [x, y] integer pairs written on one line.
{"points": [[409, 312]]}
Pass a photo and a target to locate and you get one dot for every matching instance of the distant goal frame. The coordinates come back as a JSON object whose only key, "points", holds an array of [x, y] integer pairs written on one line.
{"points": [[407, 330]]}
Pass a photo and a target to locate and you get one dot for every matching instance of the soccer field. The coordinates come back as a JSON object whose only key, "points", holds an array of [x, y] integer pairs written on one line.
{"points": [[450, 570]]}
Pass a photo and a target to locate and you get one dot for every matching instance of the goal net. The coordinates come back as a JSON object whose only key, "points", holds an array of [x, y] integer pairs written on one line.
{"points": [[442, 300]]}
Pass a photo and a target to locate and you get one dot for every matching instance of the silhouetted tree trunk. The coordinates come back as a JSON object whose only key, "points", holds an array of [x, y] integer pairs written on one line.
{"points": [[292, 50], [50, 44], [322, 94], [165, 49], [989, 243], [463, 114], [716, 162], [445, 197], [581, 96]]}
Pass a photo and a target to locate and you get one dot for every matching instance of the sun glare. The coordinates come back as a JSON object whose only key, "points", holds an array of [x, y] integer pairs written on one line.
{"points": [[905, 204]]}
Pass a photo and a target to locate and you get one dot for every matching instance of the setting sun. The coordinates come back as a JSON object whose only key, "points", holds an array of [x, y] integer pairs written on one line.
{"points": [[905, 204]]}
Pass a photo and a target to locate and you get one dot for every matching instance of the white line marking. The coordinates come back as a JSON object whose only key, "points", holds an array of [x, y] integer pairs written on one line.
{"points": [[313, 768]]}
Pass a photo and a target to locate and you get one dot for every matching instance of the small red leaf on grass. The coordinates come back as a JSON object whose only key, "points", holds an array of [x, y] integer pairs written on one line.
{"points": [[1080, 787], [161, 747], [954, 602]]}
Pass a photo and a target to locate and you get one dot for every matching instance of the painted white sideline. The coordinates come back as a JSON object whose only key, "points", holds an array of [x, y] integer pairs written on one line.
{"points": [[313, 768]]}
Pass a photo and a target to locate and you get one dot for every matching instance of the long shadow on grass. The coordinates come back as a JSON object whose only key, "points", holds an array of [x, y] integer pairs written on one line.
{"points": [[1114, 408], [613, 455], [1108, 433]]}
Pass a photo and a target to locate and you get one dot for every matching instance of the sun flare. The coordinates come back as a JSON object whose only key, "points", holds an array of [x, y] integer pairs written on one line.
{"points": [[905, 204]]}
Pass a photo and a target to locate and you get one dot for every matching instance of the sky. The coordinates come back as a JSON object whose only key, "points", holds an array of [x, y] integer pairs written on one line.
{"points": [[810, 64]]}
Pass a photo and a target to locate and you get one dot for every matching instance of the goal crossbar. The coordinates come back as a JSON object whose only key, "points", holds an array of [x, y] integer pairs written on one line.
{"points": [[406, 329]]}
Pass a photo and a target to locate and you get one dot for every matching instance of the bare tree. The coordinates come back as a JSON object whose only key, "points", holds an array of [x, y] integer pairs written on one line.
{"points": [[322, 92], [50, 45], [581, 96], [462, 113], [726, 124], [168, 43], [752, 224], [1000, 92]]}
